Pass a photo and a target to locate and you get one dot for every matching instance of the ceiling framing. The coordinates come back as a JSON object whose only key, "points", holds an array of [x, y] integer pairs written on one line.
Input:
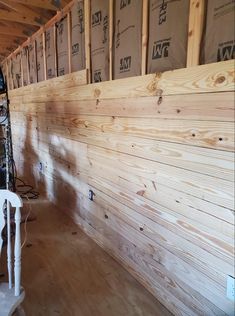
{"points": [[19, 19]]}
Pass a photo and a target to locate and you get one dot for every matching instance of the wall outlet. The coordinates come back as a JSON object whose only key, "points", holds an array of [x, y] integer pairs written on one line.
{"points": [[231, 287]]}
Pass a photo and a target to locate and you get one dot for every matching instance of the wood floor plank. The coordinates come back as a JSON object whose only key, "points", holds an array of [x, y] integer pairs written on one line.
{"points": [[65, 272]]}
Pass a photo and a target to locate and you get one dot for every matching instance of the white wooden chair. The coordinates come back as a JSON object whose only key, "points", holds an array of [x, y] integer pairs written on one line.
{"points": [[11, 293]]}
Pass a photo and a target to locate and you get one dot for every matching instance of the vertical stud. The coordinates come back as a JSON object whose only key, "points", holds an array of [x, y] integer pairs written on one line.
{"points": [[55, 50], [69, 39], [196, 19], [21, 69], [87, 15], [44, 54], [144, 37], [111, 39]]}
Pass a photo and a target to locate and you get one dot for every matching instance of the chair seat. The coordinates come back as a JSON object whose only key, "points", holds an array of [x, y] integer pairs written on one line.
{"points": [[8, 301]]}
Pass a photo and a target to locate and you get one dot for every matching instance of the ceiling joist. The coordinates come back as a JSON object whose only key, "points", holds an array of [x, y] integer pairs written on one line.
{"points": [[21, 19], [12, 31], [44, 4], [17, 17], [20, 13]]}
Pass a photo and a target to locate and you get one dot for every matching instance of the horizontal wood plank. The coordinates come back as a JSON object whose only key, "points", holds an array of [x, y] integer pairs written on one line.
{"points": [[219, 107], [157, 151], [217, 77]]}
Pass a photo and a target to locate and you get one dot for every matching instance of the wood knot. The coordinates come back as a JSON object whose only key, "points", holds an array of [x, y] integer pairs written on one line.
{"points": [[158, 75], [97, 93], [159, 100], [153, 85], [141, 192], [159, 93], [220, 80]]}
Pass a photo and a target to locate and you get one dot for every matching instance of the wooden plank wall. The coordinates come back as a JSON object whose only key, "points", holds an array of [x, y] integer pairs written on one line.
{"points": [[157, 152]]}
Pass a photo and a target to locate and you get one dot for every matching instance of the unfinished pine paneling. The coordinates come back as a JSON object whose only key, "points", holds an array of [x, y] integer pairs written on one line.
{"points": [[162, 173]]}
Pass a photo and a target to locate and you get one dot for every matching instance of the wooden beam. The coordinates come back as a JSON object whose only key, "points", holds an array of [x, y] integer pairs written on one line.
{"points": [[4, 42], [44, 4], [69, 39], [39, 15], [26, 30], [110, 39], [7, 77], [196, 19], [55, 50], [50, 23], [10, 38], [59, 15], [11, 79], [44, 55], [12, 31], [22, 73], [9, 46], [144, 37], [87, 15], [18, 17]]}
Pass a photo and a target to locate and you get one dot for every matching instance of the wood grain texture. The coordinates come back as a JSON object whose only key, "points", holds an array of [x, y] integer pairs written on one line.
{"points": [[206, 134], [145, 9], [196, 24], [162, 174], [216, 77], [219, 107], [218, 164]]}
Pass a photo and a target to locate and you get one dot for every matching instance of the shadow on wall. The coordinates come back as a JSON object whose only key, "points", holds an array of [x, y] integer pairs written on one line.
{"points": [[47, 158]]}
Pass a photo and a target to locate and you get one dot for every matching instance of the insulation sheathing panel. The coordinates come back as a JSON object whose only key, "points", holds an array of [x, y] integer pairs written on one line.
{"points": [[219, 40], [32, 64], [127, 38], [24, 57], [16, 71], [77, 37], [40, 58], [168, 34], [62, 47], [50, 53], [99, 40]]}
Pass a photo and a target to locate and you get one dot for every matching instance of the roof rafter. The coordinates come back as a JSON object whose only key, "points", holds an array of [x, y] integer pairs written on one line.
{"points": [[20, 13], [44, 4], [12, 31]]}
